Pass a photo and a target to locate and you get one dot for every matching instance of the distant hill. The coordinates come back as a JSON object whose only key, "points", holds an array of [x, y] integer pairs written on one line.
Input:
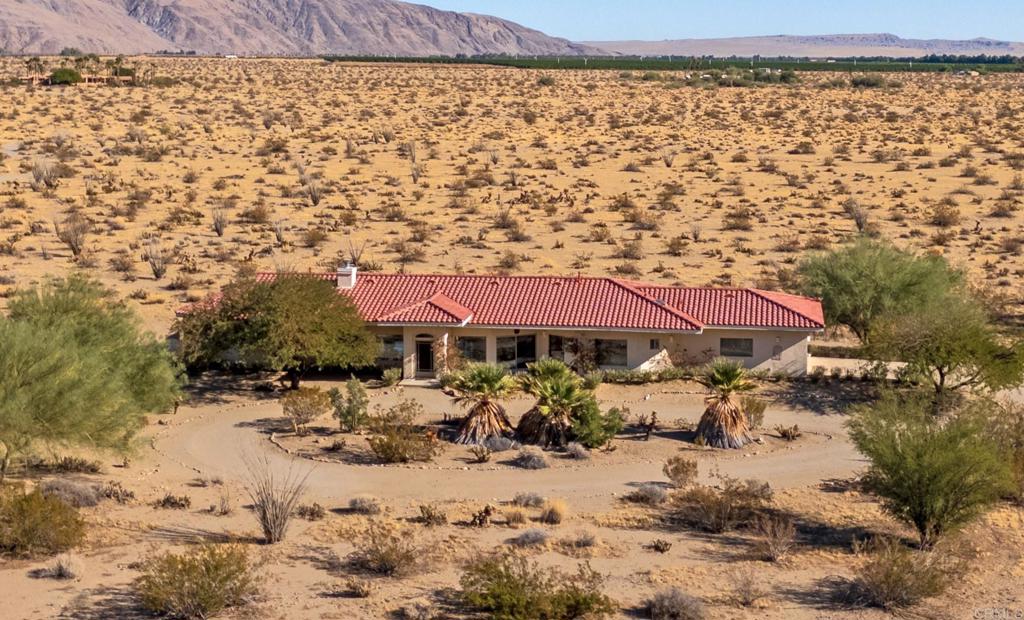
{"points": [[264, 27], [835, 45]]}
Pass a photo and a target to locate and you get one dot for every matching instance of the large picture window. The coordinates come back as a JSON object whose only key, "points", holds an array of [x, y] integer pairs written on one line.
{"points": [[473, 348], [392, 351], [611, 352], [736, 347]]}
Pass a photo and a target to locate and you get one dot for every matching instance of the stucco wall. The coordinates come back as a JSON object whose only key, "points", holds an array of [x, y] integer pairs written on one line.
{"points": [[777, 351]]}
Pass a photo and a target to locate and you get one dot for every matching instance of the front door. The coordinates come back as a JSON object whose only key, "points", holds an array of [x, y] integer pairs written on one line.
{"points": [[425, 357]]}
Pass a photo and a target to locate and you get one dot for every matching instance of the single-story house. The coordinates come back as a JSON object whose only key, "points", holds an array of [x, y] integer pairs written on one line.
{"points": [[621, 324]]}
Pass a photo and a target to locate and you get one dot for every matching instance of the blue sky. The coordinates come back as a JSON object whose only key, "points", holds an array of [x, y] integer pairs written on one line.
{"points": [[667, 19]]}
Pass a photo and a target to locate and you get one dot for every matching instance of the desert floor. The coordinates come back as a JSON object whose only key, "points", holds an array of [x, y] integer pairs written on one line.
{"points": [[302, 165], [202, 452], [475, 169]]}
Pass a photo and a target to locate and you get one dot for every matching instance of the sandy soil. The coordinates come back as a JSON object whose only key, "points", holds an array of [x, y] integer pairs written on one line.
{"points": [[201, 452], [505, 174], [474, 169]]}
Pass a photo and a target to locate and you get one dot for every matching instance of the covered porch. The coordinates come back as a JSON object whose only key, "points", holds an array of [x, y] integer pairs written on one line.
{"points": [[420, 351]]}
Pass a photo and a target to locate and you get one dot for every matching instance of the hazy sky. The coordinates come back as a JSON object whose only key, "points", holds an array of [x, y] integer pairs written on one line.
{"points": [[597, 20]]}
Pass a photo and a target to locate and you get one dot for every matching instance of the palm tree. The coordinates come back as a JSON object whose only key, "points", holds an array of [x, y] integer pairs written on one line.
{"points": [[559, 399], [724, 424], [479, 387], [545, 369]]}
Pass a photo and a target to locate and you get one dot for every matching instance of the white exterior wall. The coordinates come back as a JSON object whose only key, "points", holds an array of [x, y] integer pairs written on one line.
{"points": [[792, 346]]}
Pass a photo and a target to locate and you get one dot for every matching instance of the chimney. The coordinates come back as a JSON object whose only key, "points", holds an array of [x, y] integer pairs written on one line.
{"points": [[347, 276]]}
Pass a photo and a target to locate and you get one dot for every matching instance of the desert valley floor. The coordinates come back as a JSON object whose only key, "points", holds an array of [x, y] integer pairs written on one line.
{"points": [[164, 191]]}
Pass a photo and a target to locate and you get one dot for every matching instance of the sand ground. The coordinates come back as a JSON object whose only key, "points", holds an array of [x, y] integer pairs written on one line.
{"points": [[201, 451]]}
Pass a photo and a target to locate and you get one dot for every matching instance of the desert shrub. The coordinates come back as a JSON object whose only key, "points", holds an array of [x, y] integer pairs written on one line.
{"points": [[528, 500], [171, 501], [311, 512], [555, 511], [385, 551], [674, 604], [754, 408], [500, 444], [529, 458], [868, 81], [73, 493], [304, 405], [577, 451], [275, 495], [648, 494], [681, 471], [531, 538], [350, 409], [594, 429], [515, 517], [392, 376], [33, 524], [365, 505], [510, 587], [734, 503], [199, 583], [66, 566], [115, 491], [893, 576], [934, 474], [1005, 428], [776, 537], [397, 439], [746, 588], [432, 516]]}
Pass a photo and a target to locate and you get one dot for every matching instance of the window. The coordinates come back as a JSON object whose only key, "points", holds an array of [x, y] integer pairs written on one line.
{"points": [[655, 344], [507, 350], [736, 347], [610, 352], [392, 350], [473, 348], [516, 352]]}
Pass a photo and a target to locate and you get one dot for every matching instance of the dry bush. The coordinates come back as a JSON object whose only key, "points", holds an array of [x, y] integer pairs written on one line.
{"points": [[554, 512], [648, 495], [173, 502], [304, 405], [274, 494], [386, 551], [513, 588], [530, 458], [199, 583], [681, 471], [397, 438], [733, 504], [365, 505], [894, 576], [66, 566], [73, 232], [746, 588], [33, 524], [776, 537], [77, 494], [674, 604]]}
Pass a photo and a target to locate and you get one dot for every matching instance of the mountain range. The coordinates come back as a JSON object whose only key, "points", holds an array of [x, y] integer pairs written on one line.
{"points": [[835, 45], [380, 27], [265, 27]]}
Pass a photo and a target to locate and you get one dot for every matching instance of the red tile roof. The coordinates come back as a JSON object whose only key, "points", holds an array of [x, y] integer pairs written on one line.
{"points": [[569, 303]]}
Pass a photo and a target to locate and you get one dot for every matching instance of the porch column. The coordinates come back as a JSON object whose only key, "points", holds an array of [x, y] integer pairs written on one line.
{"points": [[542, 345], [409, 356]]}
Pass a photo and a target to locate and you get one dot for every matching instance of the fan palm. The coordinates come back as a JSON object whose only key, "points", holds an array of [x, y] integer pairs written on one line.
{"points": [[549, 422], [724, 424], [478, 387], [543, 370]]}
